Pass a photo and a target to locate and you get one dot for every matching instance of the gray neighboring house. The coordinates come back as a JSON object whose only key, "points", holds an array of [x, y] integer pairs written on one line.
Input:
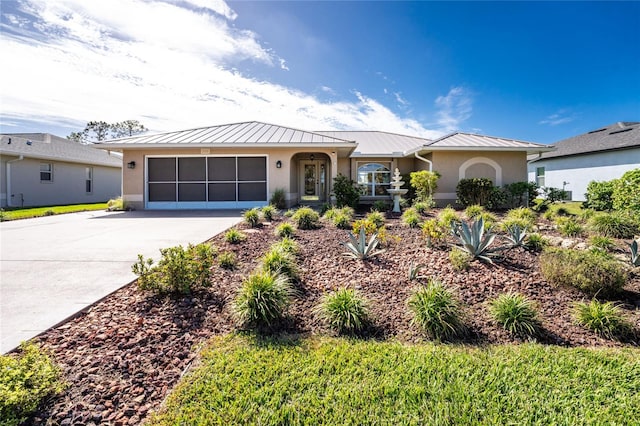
{"points": [[40, 169], [602, 154]]}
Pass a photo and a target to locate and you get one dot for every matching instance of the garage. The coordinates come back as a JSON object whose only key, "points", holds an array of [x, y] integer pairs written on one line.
{"points": [[205, 182]]}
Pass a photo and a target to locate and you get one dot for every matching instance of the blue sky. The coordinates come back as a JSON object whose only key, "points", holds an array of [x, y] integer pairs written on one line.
{"points": [[536, 71]]}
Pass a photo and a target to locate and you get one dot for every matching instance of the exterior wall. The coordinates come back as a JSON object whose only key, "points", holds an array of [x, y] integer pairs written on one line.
{"points": [[67, 186], [501, 167], [577, 171], [133, 191]]}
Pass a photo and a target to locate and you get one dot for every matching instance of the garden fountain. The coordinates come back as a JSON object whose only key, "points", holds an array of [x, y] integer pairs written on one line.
{"points": [[396, 192]]}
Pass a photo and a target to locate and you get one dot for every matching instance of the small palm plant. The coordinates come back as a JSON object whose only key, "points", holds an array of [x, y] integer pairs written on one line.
{"points": [[359, 248], [344, 310], [474, 239]]}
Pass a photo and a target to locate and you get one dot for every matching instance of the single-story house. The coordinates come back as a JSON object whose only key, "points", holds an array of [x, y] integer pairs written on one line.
{"points": [[241, 165], [602, 154], [40, 169]]}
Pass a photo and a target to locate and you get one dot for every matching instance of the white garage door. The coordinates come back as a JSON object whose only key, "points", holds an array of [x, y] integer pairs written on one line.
{"points": [[210, 182]]}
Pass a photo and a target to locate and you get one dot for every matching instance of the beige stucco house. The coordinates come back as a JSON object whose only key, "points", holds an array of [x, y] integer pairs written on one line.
{"points": [[241, 165], [40, 169]]}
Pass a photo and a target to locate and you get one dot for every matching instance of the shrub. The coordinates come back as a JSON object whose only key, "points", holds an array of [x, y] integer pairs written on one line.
{"points": [[278, 261], [411, 217], [515, 313], [342, 221], [233, 236], [269, 212], [436, 311], [262, 299], [523, 213], [286, 245], [498, 198], [289, 213], [626, 191], [520, 193], [425, 184], [474, 191], [380, 206], [306, 218], [605, 318], [434, 231], [285, 230], [423, 207], [278, 199], [376, 218], [589, 271], [570, 227], [448, 215], [460, 260], [515, 222], [599, 195], [536, 242], [26, 379], [473, 211], [227, 260], [603, 243], [252, 217], [115, 204], [616, 225], [370, 228], [344, 310], [346, 191], [178, 271], [553, 195]]}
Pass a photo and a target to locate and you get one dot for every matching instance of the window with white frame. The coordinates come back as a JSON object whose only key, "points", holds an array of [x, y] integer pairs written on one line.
{"points": [[540, 176], [374, 179], [88, 183], [46, 172]]}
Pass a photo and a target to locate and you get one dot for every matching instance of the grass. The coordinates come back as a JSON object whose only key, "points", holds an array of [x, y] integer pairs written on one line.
{"points": [[15, 214], [342, 381]]}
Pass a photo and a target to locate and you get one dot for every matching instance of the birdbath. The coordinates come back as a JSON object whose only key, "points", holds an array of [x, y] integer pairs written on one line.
{"points": [[396, 192]]}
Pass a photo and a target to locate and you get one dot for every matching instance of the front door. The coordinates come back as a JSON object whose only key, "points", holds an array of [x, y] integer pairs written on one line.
{"points": [[314, 178]]}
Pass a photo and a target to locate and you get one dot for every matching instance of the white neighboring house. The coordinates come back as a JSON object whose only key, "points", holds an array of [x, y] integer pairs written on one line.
{"points": [[601, 155], [40, 169]]}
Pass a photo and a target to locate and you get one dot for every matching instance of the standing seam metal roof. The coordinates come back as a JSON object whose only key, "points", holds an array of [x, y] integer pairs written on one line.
{"points": [[469, 140]]}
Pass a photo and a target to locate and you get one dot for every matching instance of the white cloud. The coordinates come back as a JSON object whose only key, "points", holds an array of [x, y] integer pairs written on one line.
{"points": [[562, 116], [169, 66], [400, 99], [454, 108]]}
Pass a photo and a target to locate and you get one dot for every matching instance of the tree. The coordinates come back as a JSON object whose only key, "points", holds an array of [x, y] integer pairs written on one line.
{"points": [[127, 128], [96, 131]]}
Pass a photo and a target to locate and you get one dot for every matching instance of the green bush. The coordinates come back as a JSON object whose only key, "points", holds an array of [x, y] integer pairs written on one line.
{"points": [[285, 230], [448, 215], [376, 218], [605, 318], [279, 261], [423, 207], [278, 198], [589, 271], [26, 380], [306, 218], [616, 225], [626, 191], [287, 245], [434, 231], [346, 191], [474, 191], [262, 299], [599, 195], [269, 212], [345, 311], [521, 193], [536, 242], [474, 210], [227, 260], [436, 311], [600, 242], [178, 271], [411, 217], [234, 236], [460, 259], [570, 227], [523, 213], [342, 221], [380, 206], [515, 313], [252, 217], [425, 184]]}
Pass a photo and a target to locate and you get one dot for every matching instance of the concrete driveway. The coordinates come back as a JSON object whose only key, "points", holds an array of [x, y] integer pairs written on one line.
{"points": [[55, 266]]}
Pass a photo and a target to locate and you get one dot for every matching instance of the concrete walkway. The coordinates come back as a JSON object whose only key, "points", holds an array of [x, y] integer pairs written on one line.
{"points": [[55, 266]]}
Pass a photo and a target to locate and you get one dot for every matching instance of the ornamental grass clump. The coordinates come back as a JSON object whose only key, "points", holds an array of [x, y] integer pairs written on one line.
{"points": [[594, 272], [345, 311], [27, 378], [616, 225], [535, 242], [515, 313], [262, 300], [269, 212], [287, 245], [569, 226], [279, 261], [285, 230], [252, 217], [436, 311], [306, 218], [227, 260], [234, 236], [604, 318], [602, 243]]}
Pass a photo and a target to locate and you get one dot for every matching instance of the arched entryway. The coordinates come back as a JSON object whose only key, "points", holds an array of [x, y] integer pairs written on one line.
{"points": [[311, 177]]}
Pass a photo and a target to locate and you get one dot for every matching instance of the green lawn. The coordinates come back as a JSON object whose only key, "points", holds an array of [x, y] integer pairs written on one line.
{"points": [[26, 213], [347, 382]]}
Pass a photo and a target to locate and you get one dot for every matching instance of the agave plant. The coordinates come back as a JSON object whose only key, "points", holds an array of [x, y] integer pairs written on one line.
{"points": [[359, 248], [414, 271], [474, 239], [516, 235], [635, 253]]}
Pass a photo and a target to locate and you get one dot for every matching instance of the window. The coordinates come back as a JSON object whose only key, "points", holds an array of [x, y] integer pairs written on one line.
{"points": [[540, 176], [374, 179], [46, 172], [88, 183]]}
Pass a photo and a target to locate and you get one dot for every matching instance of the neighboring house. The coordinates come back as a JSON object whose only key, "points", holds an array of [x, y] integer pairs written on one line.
{"points": [[39, 169], [600, 155], [241, 165]]}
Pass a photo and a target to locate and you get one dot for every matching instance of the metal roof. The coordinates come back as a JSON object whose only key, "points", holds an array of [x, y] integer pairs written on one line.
{"points": [[467, 141], [238, 134], [379, 144], [621, 135], [45, 146]]}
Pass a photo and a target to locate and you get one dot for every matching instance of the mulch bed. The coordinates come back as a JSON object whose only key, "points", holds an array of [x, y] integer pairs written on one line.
{"points": [[122, 356]]}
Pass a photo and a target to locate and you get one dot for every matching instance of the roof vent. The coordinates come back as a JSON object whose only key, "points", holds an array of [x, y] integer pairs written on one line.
{"points": [[621, 131], [599, 130]]}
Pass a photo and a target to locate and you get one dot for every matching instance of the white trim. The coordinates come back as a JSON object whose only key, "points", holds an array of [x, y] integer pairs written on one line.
{"points": [[481, 160]]}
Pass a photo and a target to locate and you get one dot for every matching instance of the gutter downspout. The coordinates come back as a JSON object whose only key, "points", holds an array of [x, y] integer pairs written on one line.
{"points": [[425, 160], [15, 160]]}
